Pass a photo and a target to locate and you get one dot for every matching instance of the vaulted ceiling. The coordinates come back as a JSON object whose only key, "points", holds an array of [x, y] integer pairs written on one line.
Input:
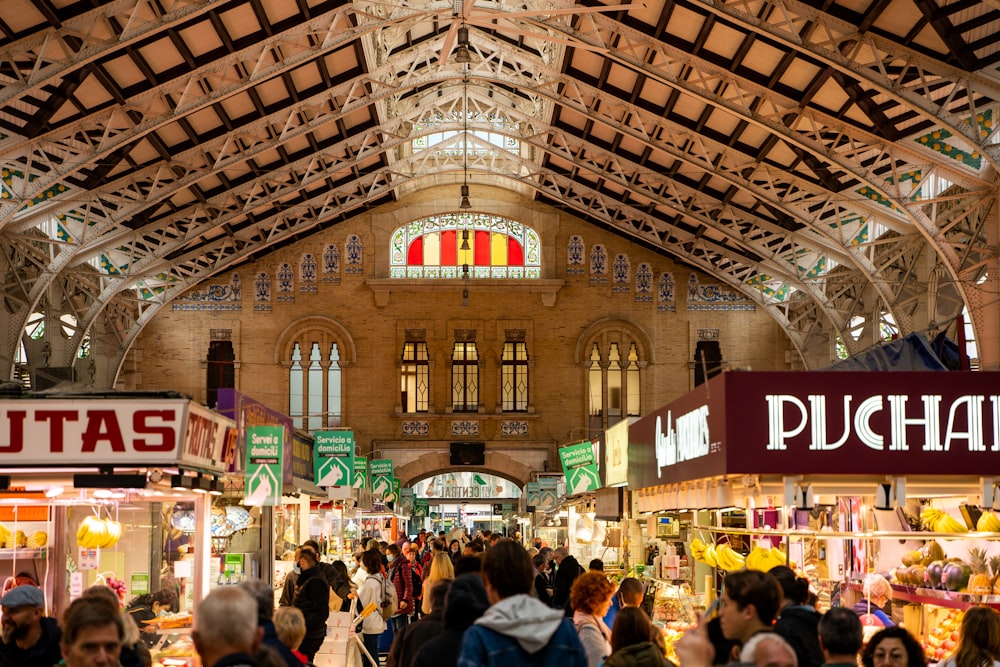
{"points": [[834, 160]]}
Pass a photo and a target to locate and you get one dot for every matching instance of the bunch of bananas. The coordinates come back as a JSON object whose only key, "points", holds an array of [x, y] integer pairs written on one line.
{"points": [[729, 559], [765, 558], [703, 553], [97, 533], [941, 522], [988, 522]]}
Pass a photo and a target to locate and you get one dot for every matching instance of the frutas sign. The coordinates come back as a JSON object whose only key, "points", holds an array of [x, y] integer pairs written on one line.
{"points": [[88, 432], [850, 422]]}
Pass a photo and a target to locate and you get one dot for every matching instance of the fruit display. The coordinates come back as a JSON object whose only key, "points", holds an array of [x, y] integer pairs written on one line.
{"points": [[19, 539], [943, 637], [938, 521], [673, 631], [719, 555], [97, 533], [765, 558]]}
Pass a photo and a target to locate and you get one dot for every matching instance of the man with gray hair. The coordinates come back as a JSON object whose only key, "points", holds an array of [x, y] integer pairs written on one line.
{"points": [[225, 629], [768, 649], [566, 573], [264, 595]]}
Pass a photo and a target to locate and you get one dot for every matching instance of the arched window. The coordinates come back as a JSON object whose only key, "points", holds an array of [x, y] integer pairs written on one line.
{"points": [[443, 246], [614, 362], [315, 351]]}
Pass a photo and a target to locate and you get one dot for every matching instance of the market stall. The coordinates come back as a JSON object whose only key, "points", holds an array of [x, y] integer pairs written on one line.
{"points": [[124, 490], [839, 474]]}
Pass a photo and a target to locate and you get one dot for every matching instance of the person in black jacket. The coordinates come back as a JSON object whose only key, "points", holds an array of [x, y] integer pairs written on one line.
{"points": [[568, 569], [341, 584], [30, 638], [263, 594], [797, 622], [543, 585], [312, 597], [465, 602], [407, 643]]}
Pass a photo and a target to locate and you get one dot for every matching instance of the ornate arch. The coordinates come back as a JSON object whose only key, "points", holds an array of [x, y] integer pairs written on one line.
{"points": [[581, 353], [497, 463], [326, 330]]}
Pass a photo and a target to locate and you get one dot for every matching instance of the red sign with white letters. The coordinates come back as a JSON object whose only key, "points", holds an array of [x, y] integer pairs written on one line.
{"points": [[112, 432]]}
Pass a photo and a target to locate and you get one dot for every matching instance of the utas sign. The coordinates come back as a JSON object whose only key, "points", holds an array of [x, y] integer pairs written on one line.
{"points": [[110, 432]]}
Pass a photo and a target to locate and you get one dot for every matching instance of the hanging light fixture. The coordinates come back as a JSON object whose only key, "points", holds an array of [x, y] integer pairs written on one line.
{"points": [[465, 203], [462, 54]]}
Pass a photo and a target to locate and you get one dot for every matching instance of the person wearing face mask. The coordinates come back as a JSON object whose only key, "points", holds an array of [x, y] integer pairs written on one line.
{"points": [[312, 598]]}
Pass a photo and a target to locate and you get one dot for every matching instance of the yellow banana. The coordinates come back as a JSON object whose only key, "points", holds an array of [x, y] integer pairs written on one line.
{"points": [[779, 556], [988, 522], [710, 556], [946, 523]]}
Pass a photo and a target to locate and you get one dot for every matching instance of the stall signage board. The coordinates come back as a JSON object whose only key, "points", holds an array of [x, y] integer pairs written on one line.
{"points": [[139, 584], [406, 500], [265, 449], [90, 432], [206, 445], [333, 454], [616, 454], [381, 476], [247, 412], [548, 493], [360, 472], [533, 494], [393, 495], [822, 422], [580, 468], [421, 508]]}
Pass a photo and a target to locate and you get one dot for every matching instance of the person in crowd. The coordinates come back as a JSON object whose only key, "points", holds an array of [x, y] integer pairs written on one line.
{"points": [[768, 649], [371, 593], [149, 606], [400, 576], [494, 538], [351, 590], [435, 547], [591, 597], [726, 650], [893, 647], [978, 640], [290, 628], [518, 630], [134, 652], [468, 564], [750, 602], [840, 637], [263, 595], [877, 591], [30, 638], [407, 643], [93, 632], [465, 601], [596, 565], [567, 570], [359, 575], [629, 594], [455, 551], [412, 553], [312, 598], [440, 568], [635, 642], [474, 547], [543, 585], [225, 629], [797, 621]]}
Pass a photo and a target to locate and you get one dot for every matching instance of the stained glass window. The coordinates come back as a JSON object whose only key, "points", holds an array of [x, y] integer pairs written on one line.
{"points": [[441, 246]]}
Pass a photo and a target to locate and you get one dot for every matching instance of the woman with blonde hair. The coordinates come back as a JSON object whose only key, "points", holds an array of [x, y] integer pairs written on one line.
{"points": [[441, 568], [978, 640]]}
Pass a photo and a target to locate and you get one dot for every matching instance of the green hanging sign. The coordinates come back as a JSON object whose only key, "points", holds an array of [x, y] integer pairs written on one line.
{"points": [[265, 448], [421, 508], [580, 468], [406, 501], [333, 458], [393, 495], [360, 472], [381, 475]]}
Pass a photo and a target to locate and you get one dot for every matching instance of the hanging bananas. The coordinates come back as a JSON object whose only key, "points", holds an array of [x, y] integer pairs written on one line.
{"points": [[728, 559], [988, 522], [97, 533], [938, 521], [765, 558]]}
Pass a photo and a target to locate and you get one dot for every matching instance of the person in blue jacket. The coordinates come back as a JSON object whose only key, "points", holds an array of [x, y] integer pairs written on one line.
{"points": [[517, 630]]}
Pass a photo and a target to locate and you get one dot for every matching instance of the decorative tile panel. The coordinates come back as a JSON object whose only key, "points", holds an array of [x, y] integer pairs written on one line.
{"points": [[416, 427], [622, 271], [665, 293], [286, 283], [644, 283], [465, 427], [331, 264], [714, 297], [262, 293], [575, 253], [355, 255], [307, 273], [599, 265], [214, 297], [512, 428]]}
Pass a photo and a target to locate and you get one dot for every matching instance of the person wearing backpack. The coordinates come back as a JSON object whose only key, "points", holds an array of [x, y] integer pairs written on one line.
{"points": [[372, 591], [401, 576]]}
